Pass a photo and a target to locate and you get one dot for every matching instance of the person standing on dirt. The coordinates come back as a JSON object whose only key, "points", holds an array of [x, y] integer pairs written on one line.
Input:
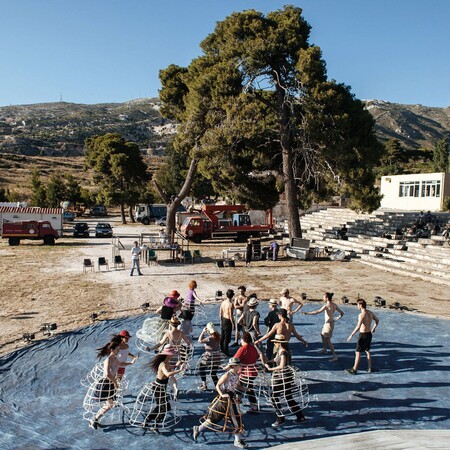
{"points": [[135, 255], [365, 328], [226, 322], [248, 253]]}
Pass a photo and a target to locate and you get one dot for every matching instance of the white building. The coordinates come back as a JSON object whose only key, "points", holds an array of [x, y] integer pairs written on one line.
{"points": [[413, 192]]}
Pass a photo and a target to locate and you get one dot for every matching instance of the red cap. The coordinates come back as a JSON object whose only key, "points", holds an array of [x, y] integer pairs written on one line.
{"points": [[124, 333], [174, 294]]}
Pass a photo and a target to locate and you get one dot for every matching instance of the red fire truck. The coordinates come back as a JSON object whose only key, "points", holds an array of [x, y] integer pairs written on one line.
{"points": [[224, 222], [29, 229]]}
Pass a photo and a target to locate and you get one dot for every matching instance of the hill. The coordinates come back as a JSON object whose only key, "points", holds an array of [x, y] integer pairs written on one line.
{"points": [[60, 129]]}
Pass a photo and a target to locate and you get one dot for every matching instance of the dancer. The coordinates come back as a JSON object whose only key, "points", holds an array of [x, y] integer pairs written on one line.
{"points": [[225, 407], [327, 331], [248, 356], [210, 360], [124, 352], [270, 320], [188, 308], [285, 328], [226, 322], [177, 339], [106, 388], [153, 401], [283, 384], [250, 318], [154, 328], [287, 302], [239, 305], [365, 319]]}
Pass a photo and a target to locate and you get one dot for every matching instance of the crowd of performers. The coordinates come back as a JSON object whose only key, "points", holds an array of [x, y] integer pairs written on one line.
{"points": [[263, 375]]}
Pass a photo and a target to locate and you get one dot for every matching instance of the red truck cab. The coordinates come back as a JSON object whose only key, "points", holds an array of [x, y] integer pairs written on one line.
{"points": [[29, 229]]}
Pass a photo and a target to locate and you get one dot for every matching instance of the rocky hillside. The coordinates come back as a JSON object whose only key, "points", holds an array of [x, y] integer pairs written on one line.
{"points": [[415, 126], [59, 129]]}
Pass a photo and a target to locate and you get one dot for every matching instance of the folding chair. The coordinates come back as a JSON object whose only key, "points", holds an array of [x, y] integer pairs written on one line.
{"points": [[152, 256], [119, 262], [88, 263], [102, 262], [185, 255], [197, 254]]}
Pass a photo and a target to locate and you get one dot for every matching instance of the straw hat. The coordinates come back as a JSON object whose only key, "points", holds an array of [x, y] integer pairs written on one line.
{"points": [[210, 328], [273, 301], [280, 339], [232, 362], [252, 302], [174, 321]]}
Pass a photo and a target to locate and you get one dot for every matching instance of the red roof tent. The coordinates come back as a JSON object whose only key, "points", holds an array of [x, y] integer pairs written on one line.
{"points": [[32, 210]]}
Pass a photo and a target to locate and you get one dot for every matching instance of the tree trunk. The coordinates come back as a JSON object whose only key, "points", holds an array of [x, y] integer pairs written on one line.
{"points": [[122, 213], [290, 186], [131, 215], [175, 202]]}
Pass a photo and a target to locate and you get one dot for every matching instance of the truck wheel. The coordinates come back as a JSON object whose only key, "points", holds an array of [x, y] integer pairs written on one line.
{"points": [[13, 241], [146, 221], [197, 238], [49, 240]]}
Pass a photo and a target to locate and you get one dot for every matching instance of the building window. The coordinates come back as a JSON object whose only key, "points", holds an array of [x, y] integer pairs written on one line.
{"points": [[409, 189], [431, 188]]}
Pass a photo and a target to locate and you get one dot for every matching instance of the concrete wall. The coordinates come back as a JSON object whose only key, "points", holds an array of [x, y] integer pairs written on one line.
{"points": [[419, 191]]}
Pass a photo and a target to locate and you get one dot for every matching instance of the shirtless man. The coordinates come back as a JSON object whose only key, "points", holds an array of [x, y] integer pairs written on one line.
{"points": [[239, 304], [285, 328], [327, 331], [287, 302], [226, 322], [364, 325]]}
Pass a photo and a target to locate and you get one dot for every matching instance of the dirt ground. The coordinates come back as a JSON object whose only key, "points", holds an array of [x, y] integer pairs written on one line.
{"points": [[41, 284]]}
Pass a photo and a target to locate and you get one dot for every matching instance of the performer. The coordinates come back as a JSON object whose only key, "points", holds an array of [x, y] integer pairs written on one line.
{"points": [[225, 407], [124, 352], [106, 388], [248, 356], [327, 331], [153, 328], [239, 305], [210, 360], [188, 308], [270, 320], [283, 384], [226, 321], [364, 324], [153, 401]]}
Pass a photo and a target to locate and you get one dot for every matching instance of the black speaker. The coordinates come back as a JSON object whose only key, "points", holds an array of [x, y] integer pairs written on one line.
{"points": [[220, 264], [231, 263]]}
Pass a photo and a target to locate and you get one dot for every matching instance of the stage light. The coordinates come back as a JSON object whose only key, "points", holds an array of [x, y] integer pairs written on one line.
{"points": [[344, 299], [379, 301], [28, 337], [304, 296], [145, 306], [47, 328], [93, 317]]}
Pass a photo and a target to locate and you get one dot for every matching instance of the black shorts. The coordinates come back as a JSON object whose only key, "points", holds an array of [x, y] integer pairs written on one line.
{"points": [[364, 341]]}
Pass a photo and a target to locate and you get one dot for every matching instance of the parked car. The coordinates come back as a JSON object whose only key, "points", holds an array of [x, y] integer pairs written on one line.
{"points": [[161, 222], [81, 229], [103, 229], [98, 210], [68, 216]]}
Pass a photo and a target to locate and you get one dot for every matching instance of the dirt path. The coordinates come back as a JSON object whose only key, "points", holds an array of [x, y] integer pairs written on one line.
{"points": [[42, 284]]}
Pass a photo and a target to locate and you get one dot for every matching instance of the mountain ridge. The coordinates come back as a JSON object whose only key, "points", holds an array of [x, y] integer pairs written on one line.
{"points": [[60, 128]]}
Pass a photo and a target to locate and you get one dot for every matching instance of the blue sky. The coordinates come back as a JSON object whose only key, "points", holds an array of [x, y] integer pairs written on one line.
{"points": [[95, 51]]}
